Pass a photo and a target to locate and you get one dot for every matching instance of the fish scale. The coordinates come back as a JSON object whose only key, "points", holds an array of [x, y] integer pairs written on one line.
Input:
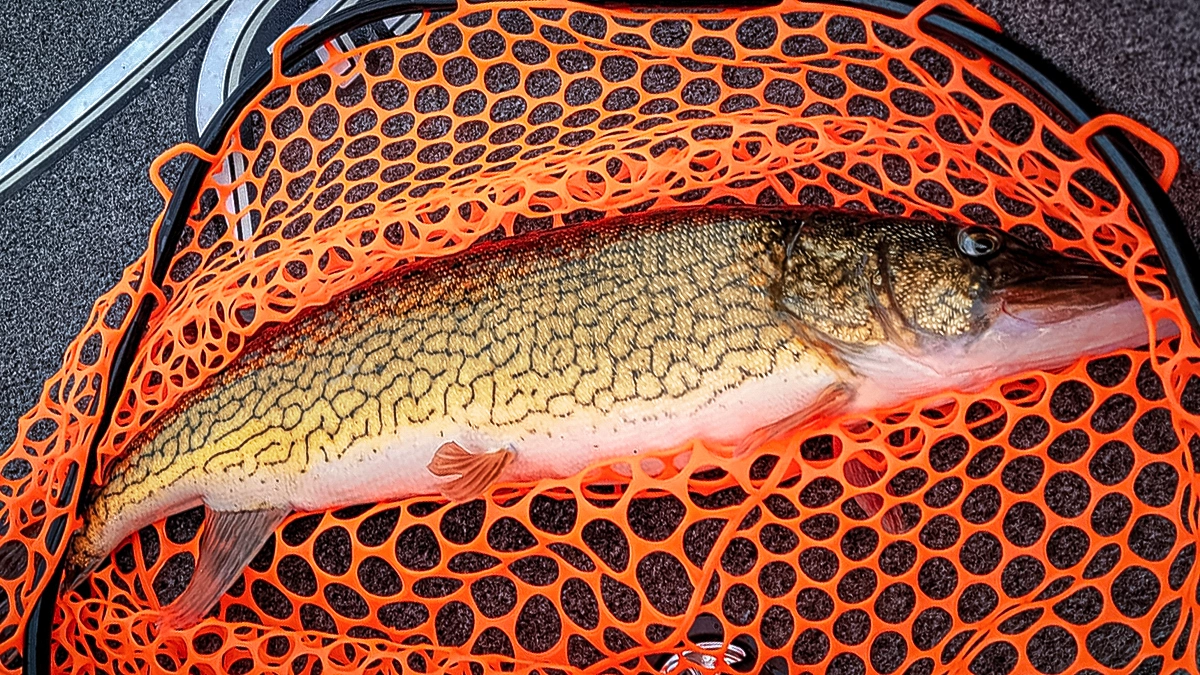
{"points": [[537, 357], [473, 342]]}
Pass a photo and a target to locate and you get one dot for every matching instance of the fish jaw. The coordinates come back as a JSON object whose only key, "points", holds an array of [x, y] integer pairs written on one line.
{"points": [[891, 374]]}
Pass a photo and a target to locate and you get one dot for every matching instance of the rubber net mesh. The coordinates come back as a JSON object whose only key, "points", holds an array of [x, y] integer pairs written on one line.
{"points": [[1048, 522]]}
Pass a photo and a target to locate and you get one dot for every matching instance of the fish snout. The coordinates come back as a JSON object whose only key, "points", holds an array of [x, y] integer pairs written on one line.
{"points": [[1044, 289]]}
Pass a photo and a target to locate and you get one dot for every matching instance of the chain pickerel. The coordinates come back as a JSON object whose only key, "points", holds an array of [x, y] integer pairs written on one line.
{"points": [[538, 356]]}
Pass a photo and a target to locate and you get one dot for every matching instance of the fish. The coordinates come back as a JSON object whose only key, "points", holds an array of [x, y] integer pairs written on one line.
{"points": [[538, 356]]}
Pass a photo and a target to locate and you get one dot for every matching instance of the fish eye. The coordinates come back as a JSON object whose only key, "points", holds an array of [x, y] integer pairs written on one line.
{"points": [[977, 242]]}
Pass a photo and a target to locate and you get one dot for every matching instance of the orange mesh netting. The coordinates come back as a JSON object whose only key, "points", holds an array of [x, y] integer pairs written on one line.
{"points": [[1046, 524]]}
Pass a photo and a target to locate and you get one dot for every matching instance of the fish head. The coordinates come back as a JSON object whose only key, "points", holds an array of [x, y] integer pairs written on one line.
{"points": [[960, 304], [1036, 286], [936, 284]]}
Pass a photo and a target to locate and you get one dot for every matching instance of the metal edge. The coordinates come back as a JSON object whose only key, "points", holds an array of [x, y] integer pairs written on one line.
{"points": [[45, 161], [1160, 216]]}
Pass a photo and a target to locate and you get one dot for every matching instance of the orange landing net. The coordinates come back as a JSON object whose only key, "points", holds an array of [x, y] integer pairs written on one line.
{"points": [[1048, 522]]}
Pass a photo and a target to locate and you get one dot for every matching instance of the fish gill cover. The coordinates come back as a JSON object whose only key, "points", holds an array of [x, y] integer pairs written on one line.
{"points": [[1046, 524]]}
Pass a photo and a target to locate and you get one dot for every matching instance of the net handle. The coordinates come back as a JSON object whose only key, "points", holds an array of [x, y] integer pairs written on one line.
{"points": [[913, 21], [1170, 154]]}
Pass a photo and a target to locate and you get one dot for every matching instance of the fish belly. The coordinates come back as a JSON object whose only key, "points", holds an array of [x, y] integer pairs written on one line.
{"points": [[393, 466]]}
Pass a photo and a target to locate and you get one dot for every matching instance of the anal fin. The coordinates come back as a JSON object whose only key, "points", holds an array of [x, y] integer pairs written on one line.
{"points": [[230, 540], [474, 471]]}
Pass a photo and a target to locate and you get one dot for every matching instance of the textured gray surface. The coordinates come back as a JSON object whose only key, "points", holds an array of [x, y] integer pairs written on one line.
{"points": [[48, 46], [77, 226], [1140, 58], [66, 236]]}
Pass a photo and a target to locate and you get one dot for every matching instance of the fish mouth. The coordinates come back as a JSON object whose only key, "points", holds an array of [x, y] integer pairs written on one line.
{"points": [[1046, 316], [1049, 291], [1060, 299]]}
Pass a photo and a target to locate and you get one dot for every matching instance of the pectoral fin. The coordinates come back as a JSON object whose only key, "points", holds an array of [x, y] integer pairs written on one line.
{"points": [[474, 471], [230, 540], [832, 398]]}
